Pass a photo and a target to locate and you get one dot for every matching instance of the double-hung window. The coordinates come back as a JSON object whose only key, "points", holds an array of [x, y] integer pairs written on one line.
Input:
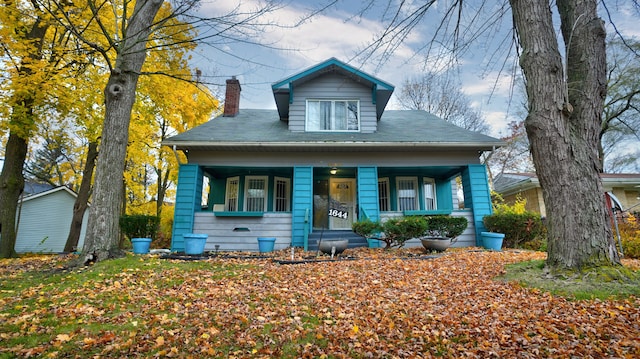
{"points": [[383, 194], [281, 189], [333, 115], [255, 197], [429, 186], [407, 188], [231, 198]]}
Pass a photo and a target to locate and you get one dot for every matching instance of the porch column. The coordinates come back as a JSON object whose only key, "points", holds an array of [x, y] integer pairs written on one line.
{"points": [[477, 195], [188, 198], [302, 206], [368, 193]]}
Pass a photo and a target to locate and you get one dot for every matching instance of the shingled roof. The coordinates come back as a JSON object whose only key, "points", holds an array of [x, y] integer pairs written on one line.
{"points": [[397, 130]]}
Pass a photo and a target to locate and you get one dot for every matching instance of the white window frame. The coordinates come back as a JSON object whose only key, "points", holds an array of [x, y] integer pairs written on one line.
{"points": [[231, 196], [387, 200], [287, 194], [247, 180], [426, 181], [416, 203], [333, 112]]}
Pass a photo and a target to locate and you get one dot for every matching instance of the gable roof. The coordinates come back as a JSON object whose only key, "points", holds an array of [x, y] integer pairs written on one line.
{"points": [[262, 130], [51, 191], [283, 90]]}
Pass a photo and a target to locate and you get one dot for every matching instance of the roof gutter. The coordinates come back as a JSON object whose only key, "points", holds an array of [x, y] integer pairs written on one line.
{"points": [[322, 144]]}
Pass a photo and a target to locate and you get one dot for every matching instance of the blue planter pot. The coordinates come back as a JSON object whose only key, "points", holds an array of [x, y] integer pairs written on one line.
{"points": [[194, 243], [140, 245], [492, 240], [265, 244], [373, 243]]}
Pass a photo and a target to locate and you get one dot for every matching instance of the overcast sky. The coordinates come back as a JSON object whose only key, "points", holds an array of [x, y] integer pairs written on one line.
{"points": [[486, 77]]}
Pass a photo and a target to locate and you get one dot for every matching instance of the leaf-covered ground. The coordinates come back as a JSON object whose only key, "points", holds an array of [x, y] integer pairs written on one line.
{"points": [[377, 306]]}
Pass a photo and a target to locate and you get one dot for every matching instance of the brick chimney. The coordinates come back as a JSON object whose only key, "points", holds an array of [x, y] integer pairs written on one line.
{"points": [[232, 98]]}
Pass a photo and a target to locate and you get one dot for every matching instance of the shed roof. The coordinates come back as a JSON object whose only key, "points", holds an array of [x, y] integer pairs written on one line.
{"points": [[262, 129]]}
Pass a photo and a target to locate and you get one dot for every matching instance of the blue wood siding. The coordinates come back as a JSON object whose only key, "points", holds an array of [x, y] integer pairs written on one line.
{"points": [[477, 195], [188, 197], [443, 195], [302, 201], [368, 192]]}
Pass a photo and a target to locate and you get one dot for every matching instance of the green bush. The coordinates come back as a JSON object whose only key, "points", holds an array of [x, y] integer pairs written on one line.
{"points": [[366, 228], [445, 226], [401, 229], [630, 234], [139, 226], [518, 228]]}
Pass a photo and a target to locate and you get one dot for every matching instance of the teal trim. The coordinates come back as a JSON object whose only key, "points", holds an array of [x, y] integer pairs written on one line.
{"points": [[374, 94], [307, 220], [188, 196], [427, 213], [238, 214], [444, 197], [477, 195], [368, 192], [302, 206], [332, 62], [290, 92]]}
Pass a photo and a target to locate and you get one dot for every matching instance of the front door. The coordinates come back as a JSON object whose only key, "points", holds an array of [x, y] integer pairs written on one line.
{"points": [[342, 202]]}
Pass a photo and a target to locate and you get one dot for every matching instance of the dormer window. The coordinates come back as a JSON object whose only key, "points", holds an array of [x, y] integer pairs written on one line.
{"points": [[333, 115]]}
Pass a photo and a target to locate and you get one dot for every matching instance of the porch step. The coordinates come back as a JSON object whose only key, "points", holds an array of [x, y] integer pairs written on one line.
{"points": [[354, 239]]}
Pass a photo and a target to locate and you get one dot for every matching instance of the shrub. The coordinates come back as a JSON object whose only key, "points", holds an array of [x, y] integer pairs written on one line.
{"points": [[401, 229], [521, 228], [445, 226], [366, 228], [139, 226], [630, 236]]}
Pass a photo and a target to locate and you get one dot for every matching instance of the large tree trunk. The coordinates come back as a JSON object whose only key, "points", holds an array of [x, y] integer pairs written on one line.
{"points": [[120, 93], [82, 201], [563, 125], [11, 186]]}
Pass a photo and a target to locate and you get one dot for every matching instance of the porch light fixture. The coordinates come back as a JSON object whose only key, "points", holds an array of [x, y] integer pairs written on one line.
{"points": [[333, 171]]}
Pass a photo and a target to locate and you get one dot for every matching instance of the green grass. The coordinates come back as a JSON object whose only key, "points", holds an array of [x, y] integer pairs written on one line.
{"points": [[599, 283]]}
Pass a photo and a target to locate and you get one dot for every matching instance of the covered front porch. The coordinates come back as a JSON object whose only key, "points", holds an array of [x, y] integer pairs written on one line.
{"points": [[235, 205]]}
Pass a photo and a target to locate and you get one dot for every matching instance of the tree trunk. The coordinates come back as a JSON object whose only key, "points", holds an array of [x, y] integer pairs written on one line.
{"points": [[562, 126], [11, 186], [81, 204], [120, 93]]}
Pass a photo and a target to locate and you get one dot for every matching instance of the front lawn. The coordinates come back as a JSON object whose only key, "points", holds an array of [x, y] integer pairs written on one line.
{"points": [[374, 306]]}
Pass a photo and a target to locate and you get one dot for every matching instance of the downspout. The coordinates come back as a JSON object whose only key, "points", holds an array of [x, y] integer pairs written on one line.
{"points": [[175, 153]]}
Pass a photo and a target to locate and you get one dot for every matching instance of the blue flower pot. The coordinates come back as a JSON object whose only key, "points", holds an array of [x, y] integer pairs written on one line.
{"points": [[492, 240], [265, 244], [373, 243], [194, 243], [141, 245]]}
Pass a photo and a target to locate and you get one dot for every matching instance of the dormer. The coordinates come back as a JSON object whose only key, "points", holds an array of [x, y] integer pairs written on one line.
{"points": [[331, 97]]}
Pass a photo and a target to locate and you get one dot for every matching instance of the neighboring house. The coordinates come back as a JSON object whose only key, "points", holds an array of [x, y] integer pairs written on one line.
{"points": [[511, 186], [329, 155], [44, 221]]}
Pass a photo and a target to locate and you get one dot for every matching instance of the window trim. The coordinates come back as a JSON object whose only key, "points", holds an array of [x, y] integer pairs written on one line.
{"points": [[265, 198], [333, 101]]}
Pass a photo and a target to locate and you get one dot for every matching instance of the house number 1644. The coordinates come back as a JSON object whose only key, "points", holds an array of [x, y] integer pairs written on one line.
{"points": [[338, 213]]}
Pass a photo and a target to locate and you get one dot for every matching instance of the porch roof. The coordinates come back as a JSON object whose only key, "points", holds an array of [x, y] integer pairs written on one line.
{"points": [[398, 131]]}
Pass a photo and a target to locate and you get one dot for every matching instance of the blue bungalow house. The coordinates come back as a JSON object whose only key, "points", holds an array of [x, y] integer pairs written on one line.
{"points": [[329, 155]]}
